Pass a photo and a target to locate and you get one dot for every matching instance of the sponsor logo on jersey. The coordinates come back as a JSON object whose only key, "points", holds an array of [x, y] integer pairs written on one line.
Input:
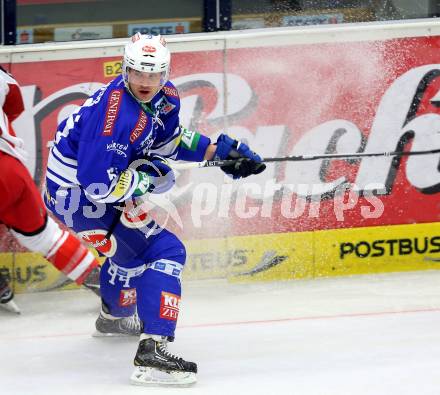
{"points": [[113, 105], [118, 148], [139, 128], [127, 297], [189, 139], [164, 106], [123, 184], [96, 239], [170, 91], [169, 306], [146, 143]]}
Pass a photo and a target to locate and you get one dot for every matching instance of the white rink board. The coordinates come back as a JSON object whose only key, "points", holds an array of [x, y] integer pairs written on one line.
{"points": [[363, 335], [278, 36]]}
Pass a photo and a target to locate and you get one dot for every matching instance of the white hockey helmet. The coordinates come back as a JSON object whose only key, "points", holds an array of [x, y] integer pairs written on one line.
{"points": [[147, 54]]}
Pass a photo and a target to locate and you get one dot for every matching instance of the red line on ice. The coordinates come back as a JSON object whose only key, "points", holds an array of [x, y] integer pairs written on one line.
{"points": [[232, 323]]}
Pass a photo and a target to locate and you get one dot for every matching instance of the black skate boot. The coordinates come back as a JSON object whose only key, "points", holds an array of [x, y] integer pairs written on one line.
{"points": [[108, 325], [6, 296], [92, 281], [155, 365]]}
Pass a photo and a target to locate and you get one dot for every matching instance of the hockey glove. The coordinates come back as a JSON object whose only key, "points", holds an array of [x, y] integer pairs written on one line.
{"points": [[154, 176], [160, 175], [248, 162]]}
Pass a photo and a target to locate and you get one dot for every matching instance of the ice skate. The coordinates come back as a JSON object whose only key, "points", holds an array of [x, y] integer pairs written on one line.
{"points": [[92, 281], [6, 297], [155, 365], [108, 325]]}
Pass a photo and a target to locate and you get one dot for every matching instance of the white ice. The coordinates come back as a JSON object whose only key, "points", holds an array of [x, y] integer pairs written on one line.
{"points": [[375, 335]]}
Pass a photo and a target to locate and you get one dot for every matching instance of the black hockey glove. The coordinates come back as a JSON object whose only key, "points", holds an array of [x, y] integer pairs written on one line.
{"points": [[248, 162]]}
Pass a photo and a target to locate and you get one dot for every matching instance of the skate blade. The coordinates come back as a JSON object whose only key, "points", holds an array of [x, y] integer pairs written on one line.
{"points": [[101, 334], [154, 377], [11, 306]]}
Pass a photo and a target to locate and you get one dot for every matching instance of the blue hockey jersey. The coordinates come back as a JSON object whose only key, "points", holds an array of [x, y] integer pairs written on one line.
{"points": [[96, 145]]}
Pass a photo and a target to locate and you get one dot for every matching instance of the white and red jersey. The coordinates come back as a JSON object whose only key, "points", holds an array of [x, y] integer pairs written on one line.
{"points": [[21, 206], [11, 106]]}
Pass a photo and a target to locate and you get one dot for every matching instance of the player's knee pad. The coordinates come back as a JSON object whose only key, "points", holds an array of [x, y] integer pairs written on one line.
{"points": [[62, 249]]}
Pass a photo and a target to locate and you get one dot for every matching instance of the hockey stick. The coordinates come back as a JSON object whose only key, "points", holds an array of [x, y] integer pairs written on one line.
{"points": [[299, 158]]}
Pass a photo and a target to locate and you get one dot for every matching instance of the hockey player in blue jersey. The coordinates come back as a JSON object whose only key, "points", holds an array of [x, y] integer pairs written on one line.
{"points": [[107, 156]]}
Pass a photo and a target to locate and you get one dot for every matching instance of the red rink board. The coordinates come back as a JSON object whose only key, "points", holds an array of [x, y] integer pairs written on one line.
{"points": [[310, 92]]}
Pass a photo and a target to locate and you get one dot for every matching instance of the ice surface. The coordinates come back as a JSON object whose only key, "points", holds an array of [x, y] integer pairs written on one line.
{"points": [[375, 335]]}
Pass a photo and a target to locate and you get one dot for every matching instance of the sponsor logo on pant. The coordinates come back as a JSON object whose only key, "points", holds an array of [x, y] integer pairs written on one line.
{"points": [[127, 297], [169, 306]]}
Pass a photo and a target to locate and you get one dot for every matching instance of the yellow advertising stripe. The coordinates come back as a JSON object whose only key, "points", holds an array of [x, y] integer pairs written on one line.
{"points": [[335, 252], [377, 249], [6, 264], [278, 256], [32, 273]]}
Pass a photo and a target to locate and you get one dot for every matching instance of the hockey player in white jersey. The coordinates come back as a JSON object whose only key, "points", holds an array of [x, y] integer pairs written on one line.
{"points": [[22, 209], [108, 156]]}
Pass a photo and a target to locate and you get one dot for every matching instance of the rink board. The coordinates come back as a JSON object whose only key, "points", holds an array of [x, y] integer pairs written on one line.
{"points": [[269, 257], [378, 94], [30, 272], [338, 252]]}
